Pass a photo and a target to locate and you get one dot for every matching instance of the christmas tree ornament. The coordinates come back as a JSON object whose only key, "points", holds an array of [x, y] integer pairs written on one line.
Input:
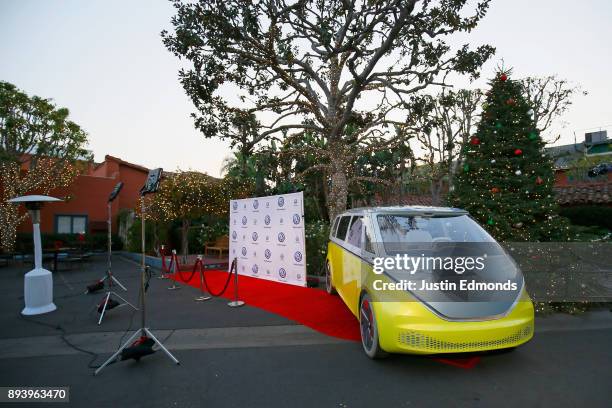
{"points": [[511, 102], [518, 225], [530, 113], [539, 180], [492, 161], [518, 172], [466, 167], [518, 152], [474, 141], [503, 77], [533, 135], [490, 221], [498, 125], [495, 190]]}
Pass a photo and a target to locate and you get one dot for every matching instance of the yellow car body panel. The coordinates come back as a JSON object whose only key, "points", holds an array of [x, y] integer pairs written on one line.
{"points": [[409, 326]]}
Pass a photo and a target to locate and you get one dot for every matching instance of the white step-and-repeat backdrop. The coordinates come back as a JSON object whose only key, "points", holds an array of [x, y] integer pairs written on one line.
{"points": [[267, 237]]}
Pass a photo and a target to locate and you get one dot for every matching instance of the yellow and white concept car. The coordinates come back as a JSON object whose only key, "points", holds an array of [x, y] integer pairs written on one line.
{"points": [[467, 294]]}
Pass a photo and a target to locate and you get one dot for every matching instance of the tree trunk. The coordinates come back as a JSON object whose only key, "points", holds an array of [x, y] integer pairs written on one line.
{"points": [[185, 239], [339, 188], [436, 187]]}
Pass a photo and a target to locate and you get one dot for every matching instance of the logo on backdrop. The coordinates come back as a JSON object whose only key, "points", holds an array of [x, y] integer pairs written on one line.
{"points": [[255, 204], [282, 273], [267, 253], [234, 235], [255, 268], [297, 256], [244, 251], [281, 201], [244, 220], [254, 236], [296, 219], [235, 205], [267, 220], [281, 237]]}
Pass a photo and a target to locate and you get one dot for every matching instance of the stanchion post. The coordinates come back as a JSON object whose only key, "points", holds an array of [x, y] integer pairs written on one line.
{"points": [[163, 272], [236, 302], [176, 272], [203, 297]]}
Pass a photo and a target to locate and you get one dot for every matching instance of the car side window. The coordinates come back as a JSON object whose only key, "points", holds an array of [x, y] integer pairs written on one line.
{"points": [[335, 226], [368, 245], [354, 232], [343, 227]]}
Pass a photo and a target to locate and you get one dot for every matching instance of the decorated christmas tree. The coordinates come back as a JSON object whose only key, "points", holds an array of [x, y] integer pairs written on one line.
{"points": [[505, 180]]}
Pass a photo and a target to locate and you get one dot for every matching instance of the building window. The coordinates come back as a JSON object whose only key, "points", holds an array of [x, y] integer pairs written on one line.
{"points": [[71, 224]]}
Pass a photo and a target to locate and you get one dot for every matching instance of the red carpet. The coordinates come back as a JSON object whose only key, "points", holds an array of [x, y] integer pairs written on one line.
{"points": [[313, 308]]}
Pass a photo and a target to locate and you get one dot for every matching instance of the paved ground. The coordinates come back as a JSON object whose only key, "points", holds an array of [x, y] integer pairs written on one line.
{"points": [[247, 357]]}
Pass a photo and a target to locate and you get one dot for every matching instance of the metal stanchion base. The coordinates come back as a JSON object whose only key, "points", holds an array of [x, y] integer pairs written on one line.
{"points": [[236, 303], [173, 287], [202, 298], [163, 277]]}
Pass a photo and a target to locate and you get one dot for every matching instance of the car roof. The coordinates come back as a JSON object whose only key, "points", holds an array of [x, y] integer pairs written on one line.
{"points": [[408, 209]]}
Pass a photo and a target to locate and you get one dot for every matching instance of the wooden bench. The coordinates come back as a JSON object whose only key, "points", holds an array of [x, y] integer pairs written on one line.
{"points": [[220, 245]]}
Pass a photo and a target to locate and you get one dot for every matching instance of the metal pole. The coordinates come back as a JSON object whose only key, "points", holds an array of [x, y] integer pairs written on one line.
{"points": [[108, 272], [176, 272], [203, 296], [143, 266], [235, 302], [35, 214]]}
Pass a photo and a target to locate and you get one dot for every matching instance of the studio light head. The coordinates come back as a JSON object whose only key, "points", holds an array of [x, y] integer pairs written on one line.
{"points": [[152, 183], [115, 191]]}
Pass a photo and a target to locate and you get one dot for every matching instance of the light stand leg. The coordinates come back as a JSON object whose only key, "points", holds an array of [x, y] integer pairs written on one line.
{"points": [[108, 295], [118, 283], [104, 308], [114, 356], [161, 346]]}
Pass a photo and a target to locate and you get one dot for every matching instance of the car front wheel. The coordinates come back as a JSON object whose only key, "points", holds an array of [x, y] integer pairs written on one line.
{"points": [[369, 329]]}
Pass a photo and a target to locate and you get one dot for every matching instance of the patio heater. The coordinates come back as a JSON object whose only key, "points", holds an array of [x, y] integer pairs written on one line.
{"points": [[38, 283]]}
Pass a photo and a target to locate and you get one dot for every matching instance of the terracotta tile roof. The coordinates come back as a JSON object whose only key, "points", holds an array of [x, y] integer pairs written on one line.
{"points": [[600, 193]]}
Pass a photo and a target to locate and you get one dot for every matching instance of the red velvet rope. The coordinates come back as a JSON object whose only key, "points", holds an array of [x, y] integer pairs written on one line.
{"points": [[199, 263], [233, 268]]}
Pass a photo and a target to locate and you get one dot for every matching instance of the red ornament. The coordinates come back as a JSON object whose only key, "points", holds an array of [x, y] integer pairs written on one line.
{"points": [[495, 190], [539, 180], [511, 102], [503, 77], [474, 141], [518, 152]]}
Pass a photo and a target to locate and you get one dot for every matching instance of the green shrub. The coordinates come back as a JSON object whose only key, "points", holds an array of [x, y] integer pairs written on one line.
{"points": [[317, 235], [589, 215]]}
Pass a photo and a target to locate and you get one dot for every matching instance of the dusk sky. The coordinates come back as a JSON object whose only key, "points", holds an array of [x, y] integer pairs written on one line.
{"points": [[104, 60]]}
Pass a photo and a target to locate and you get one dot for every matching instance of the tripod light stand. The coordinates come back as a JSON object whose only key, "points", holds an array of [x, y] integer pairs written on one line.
{"points": [[108, 277], [143, 332]]}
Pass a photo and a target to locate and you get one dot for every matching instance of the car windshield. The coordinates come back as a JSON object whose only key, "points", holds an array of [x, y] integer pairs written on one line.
{"points": [[440, 251], [400, 228]]}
